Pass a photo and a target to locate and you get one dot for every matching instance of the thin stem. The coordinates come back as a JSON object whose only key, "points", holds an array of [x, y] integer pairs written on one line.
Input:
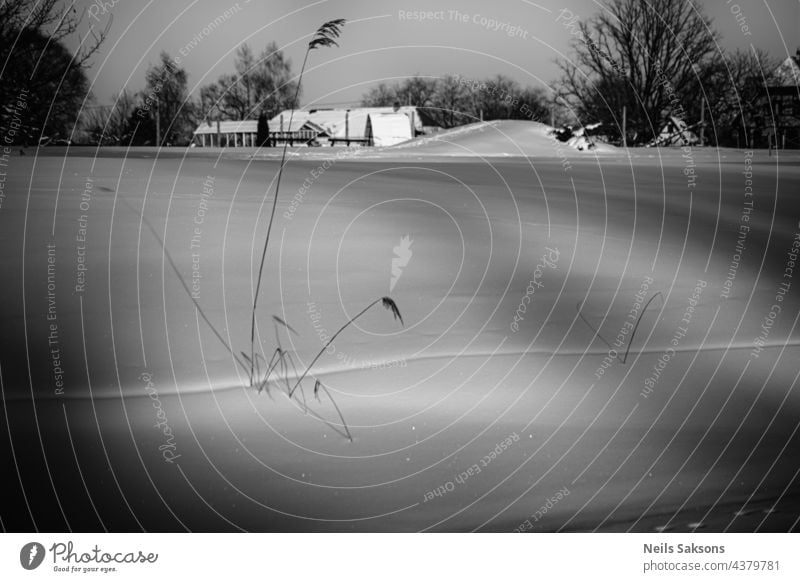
{"points": [[633, 333], [330, 341], [272, 216], [638, 321], [338, 411]]}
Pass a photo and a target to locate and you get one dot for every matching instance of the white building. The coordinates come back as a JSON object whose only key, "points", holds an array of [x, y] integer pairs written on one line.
{"points": [[379, 126], [226, 134], [350, 126], [385, 129]]}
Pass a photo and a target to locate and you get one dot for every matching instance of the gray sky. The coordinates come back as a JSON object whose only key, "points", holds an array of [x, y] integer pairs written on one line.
{"points": [[381, 41]]}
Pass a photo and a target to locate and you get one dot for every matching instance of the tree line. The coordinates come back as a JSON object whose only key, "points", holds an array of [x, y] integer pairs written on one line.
{"points": [[42, 84], [656, 59], [45, 96], [455, 100], [164, 112], [631, 66]]}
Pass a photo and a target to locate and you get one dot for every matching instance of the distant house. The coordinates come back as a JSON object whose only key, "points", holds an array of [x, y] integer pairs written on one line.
{"points": [[780, 105], [350, 126], [385, 129], [773, 118], [368, 126], [293, 127], [226, 134]]}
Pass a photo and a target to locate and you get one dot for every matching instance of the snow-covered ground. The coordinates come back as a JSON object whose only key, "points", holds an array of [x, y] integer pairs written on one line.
{"points": [[495, 407]]}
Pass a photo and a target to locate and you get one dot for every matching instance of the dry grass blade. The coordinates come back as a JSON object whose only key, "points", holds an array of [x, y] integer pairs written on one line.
{"points": [[284, 360], [597, 334], [277, 319], [326, 34], [277, 355], [317, 386], [387, 302]]}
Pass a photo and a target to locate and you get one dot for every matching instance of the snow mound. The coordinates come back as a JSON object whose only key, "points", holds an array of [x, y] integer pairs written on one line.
{"points": [[501, 138]]}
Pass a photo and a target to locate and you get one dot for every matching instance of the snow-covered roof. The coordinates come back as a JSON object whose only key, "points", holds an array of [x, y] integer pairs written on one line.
{"points": [[330, 122], [788, 72], [298, 119], [334, 122], [387, 129], [245, 126]]}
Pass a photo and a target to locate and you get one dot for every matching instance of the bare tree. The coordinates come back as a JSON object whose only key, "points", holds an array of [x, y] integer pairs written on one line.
{"points": [[93, 123], [54, 19], [119, 121], [212, 102], [453, 100], [110, 124], [452, 97], [164, 114], [257, 85], [641, 55], [273, 80], [382, 95], [498, 98], [730, 86], [232, 96], [35, 63], [245, 64], [417, 91]]}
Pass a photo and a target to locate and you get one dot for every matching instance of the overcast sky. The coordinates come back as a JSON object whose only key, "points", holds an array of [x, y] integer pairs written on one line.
{"points": [[473, 38]]}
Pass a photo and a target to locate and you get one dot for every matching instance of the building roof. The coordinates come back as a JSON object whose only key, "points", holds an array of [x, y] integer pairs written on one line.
{"points": [[335, 122], [299, 118], [788, 72], [387, 129], [245, 126]]}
